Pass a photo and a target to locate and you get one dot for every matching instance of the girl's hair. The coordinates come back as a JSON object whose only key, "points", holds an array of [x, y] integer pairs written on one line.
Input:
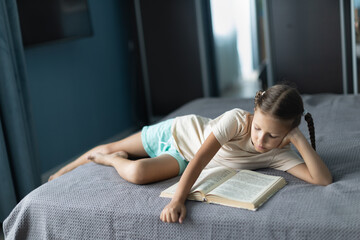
{"points": [[284, 102]]}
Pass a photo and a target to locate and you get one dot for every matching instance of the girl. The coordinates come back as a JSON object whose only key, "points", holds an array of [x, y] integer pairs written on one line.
{"points": [[186, 145]]}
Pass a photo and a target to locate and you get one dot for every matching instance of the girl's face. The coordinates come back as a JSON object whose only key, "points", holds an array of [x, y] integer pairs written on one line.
{"points": [[267, 132]]}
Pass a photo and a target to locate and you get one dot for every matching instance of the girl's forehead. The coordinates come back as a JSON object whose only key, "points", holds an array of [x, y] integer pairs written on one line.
{"points": [[270, 123]]}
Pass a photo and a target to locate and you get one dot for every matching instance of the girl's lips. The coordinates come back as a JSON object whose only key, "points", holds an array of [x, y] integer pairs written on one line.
{"points": [[260, 147], [257, 146]]}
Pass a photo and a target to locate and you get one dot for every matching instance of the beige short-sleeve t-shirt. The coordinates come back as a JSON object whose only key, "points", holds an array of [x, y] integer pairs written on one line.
{"points": [[233, 131]]}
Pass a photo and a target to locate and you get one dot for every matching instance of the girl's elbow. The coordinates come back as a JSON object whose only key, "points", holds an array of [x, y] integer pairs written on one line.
{"points": [[324, 182], [328, 182]]}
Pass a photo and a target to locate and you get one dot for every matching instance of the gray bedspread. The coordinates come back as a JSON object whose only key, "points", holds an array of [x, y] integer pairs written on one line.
{"points": [[94, 202]]}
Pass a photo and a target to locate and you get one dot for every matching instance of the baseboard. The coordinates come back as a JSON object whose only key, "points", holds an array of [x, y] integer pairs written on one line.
{"points": [[45, 176]]}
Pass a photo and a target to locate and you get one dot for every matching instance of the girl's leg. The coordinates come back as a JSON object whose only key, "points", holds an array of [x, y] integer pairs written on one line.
{"points": [[142, 171], [131, 145]]}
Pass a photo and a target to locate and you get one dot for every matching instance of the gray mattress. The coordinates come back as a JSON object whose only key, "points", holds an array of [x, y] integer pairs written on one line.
{"points": [[94, 202]]}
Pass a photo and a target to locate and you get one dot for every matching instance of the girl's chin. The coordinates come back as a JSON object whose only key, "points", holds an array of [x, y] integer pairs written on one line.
{"points": [[260, 149]]}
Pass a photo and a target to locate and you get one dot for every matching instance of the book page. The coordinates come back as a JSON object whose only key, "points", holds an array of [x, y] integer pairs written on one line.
{"points": [[211, 178], [207, 181], [245, 186]]}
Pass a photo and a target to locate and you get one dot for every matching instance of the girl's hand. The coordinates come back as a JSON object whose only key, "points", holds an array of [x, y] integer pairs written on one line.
{"points": [[290, 137], [173, 212]]}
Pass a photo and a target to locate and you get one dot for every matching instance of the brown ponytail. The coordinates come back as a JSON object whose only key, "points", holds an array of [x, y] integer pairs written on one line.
{"points": [[310, 123]]}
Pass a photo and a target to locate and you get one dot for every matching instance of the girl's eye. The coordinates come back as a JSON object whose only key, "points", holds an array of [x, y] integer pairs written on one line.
{"points": [[272, 136], [257, 129]]}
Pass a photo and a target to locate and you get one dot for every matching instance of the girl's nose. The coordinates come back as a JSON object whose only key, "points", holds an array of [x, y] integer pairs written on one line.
{"points": [[261, 138]]}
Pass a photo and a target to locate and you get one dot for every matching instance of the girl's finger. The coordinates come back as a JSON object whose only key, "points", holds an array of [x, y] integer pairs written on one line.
{"points": [[174, 217]]}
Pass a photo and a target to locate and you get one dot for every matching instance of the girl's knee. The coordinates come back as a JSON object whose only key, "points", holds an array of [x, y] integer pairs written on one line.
{"points": [[137, 173]]}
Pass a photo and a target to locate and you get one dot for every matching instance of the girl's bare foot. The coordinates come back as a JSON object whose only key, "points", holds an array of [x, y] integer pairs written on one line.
{"points": [[106, 159]]}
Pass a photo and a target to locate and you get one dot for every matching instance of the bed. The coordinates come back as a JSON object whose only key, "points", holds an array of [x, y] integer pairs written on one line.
{"points": [[94, 202]]}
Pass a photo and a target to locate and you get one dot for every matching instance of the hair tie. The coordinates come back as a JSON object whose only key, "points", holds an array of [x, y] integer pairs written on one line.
{"points": [[262, 94], [305, 112]]}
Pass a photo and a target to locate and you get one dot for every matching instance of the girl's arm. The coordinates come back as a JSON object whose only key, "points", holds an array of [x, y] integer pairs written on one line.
{"points": [[80, 161], [314, 169], [175, 211]]}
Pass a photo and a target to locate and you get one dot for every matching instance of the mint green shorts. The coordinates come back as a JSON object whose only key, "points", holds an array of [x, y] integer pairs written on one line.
{"points": [[157, 140]]}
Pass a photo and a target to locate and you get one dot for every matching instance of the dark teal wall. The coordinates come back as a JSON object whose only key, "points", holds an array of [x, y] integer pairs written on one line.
{"points": [[80, 89]]}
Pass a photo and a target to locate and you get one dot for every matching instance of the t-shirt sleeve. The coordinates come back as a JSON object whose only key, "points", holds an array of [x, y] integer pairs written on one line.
{"points": [[228, 125], [285, 159]]}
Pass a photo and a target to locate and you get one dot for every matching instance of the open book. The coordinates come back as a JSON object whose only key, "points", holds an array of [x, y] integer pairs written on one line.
{"points": [[225, 186]]}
